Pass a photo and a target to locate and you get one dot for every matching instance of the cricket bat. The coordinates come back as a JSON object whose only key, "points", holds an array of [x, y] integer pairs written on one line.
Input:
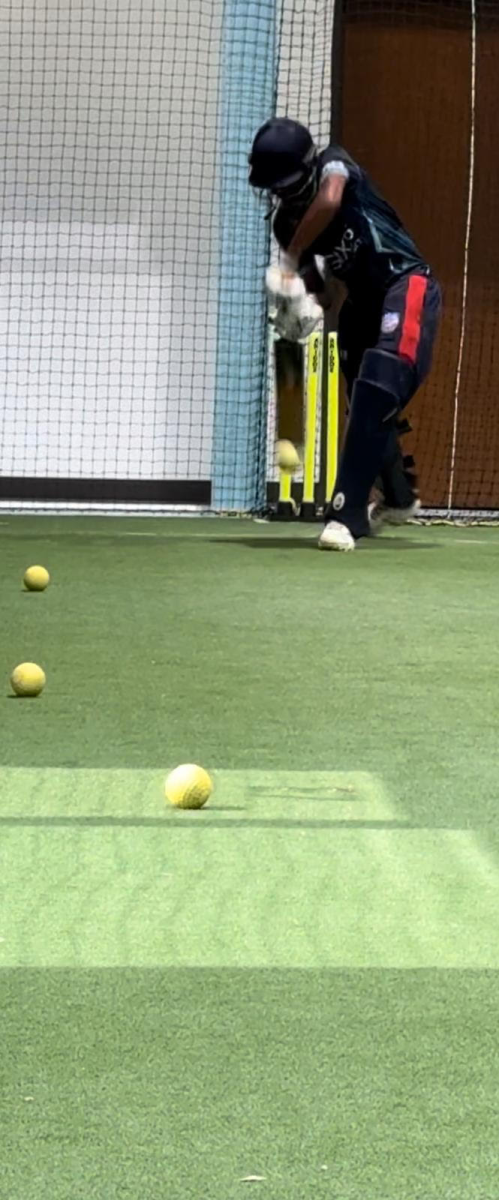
{"points": [[289, 364]]}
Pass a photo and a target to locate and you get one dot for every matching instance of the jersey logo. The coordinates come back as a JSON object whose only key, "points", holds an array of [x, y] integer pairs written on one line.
{"points": [[344, 252], [390, 322]]}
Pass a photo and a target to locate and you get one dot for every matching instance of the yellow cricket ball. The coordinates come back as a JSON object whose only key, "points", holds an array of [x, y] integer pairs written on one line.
{"points": [[288, 458], [36, 579], [188, 786], [28, 680]]}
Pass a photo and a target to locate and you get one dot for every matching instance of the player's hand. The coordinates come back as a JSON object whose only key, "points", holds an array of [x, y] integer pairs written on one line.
{"points": [[284, 285], [295, 320]]}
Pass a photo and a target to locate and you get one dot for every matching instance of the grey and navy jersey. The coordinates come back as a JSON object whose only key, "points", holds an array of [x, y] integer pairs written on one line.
{"points": [[366, 245]]}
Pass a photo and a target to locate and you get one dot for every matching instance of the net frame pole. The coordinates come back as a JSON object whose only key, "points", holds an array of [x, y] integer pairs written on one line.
{"points": [[246, 100]]}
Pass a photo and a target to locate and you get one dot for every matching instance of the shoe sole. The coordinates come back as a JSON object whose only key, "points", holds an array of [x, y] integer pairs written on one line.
{"points": [[324, 545]]}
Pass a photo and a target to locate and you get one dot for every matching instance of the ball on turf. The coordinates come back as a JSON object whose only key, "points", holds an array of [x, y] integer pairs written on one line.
{"points": [[28, 679], [188, 786], [288, 458], [36, 579]]}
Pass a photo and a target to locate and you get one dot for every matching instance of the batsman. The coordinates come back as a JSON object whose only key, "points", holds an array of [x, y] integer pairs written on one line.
{"points": [[330, 222]]}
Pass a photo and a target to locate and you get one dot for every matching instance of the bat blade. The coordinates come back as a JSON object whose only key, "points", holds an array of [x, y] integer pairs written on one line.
{"points": [[289, 362]]}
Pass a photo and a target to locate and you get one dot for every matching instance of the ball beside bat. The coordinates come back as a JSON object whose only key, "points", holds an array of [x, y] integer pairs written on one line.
{"points": [[288, 458]]}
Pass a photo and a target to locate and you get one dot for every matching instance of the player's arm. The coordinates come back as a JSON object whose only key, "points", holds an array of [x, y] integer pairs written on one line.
{"points": [[318, 216]]}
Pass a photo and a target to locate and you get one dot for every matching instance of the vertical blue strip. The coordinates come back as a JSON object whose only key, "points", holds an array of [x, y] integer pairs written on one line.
{"points": [[246, 100]]}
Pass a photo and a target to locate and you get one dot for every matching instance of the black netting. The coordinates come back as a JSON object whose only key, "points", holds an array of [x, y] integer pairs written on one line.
{"points": [[132, 311]]}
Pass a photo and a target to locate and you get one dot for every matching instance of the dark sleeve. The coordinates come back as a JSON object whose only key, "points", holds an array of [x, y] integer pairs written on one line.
{"points": [[283, 228], [312, 278]]}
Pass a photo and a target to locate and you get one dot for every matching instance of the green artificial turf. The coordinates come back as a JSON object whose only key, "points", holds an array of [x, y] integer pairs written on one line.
{"points": [[182, 1083], [299, 982]]}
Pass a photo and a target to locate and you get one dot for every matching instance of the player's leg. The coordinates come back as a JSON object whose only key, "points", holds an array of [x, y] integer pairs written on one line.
{"points": [[409, 325], [397, 485], [358, 330], [351, 345], [390, 374], [382, 380], [353, 339]]}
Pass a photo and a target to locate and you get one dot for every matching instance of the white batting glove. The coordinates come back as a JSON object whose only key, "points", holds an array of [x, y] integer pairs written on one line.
{"points": [[296, 319], [284, 284]]}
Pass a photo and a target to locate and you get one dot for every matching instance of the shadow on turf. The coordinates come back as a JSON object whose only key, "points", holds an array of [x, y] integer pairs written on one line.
{"points": [[202, 820], [302, 543], [395, 543]]}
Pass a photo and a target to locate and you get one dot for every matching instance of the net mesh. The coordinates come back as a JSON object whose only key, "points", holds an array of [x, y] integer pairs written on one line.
{"points": [[124, 130], [421, 85], [102, 111], [135, 361]]}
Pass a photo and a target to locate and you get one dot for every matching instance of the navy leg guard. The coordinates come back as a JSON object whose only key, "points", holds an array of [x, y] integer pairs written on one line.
{"points": [[397, 375], [377, 396], [370, 427]]}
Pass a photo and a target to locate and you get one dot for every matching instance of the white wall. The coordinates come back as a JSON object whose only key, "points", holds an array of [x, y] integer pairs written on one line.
{"points": [[109, 227], [108, 238]]}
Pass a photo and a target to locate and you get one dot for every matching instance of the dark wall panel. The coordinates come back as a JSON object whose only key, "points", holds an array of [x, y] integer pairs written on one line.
{"points": [[406, 118]]}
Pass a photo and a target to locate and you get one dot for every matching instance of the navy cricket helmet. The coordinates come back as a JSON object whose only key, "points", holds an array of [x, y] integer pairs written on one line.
{"points": [[282, 157]]}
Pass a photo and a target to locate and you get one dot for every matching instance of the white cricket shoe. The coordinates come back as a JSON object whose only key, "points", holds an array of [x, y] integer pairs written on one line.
{"points": [[335, 536], [381, 514]]}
